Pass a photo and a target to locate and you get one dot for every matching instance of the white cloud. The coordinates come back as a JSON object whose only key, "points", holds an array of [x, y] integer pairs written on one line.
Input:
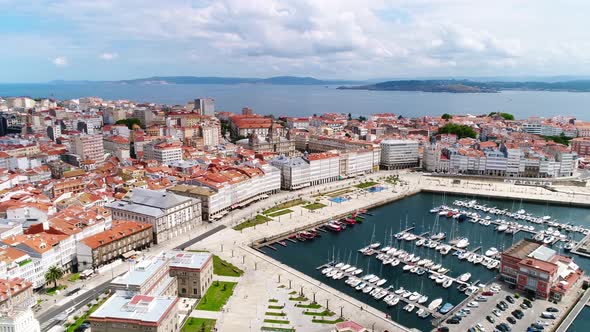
{"points": [[60, 61], [329, 37], [108, 56]]}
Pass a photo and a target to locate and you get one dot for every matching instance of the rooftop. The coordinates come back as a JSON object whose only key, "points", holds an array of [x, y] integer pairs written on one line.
{"points": [[189, 260], [134, 308], [157, 199], [141, 272], [523, 248]]}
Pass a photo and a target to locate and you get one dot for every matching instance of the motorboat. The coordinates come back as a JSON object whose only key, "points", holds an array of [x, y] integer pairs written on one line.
{"points": [[435, 267], [448, 282], [464, 255], [367, 289], [357, 272], [420, 242], [491, 252], [420, 271], [374, 245], [333, 227], [395, 262], [339, 265], [346, 266], [463, 243], [360, 286], [478, 259], [435, 304], [399, 291], [464, 277], [332, 273], [388, 298], [409, 308], [326, 270], [406, 294], [428, 264], [350, 269], [440, 279], [408, 267], [424, 314], [368, 276], [438, 236], [381, 282], [472, 258], [502, 227], [374, 279], [422, 299], [414, 296], [414, 269], [446, 308], [445, 250]]}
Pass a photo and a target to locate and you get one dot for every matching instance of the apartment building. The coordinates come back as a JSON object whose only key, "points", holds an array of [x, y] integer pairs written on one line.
{"points": [[17, 264], [205, 106], [163, 152], [581, 146], [18, 320], [397, 154], [88, 147], [169, 214], [16, 292], [224, 189], [45, 250], [121, 240], [125, 311]]}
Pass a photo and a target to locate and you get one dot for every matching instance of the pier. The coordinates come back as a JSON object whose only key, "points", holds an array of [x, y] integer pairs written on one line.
{"points": [[569, 319], [433, 313]]}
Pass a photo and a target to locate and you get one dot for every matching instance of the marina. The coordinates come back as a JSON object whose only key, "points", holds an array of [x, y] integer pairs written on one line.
{"points": [[413, 216]]}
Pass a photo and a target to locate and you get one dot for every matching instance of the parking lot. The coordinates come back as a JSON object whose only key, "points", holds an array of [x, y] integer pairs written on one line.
{"points": [[486, 308]]}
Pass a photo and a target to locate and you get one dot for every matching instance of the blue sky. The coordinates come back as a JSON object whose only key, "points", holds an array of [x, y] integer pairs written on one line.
{"points": [[112, 39]]}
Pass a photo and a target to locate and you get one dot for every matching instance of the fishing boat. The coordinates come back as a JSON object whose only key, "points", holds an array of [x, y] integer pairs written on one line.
{"points": [[491, 252], [446, 308], [435, 304], [464, 277], [333, 227]]}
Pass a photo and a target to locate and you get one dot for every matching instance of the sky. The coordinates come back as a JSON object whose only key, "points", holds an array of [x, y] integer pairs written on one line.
{"points": [[47, 40]]}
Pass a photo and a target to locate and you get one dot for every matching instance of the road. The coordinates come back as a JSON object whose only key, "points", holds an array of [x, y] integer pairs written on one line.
{"points": [[574, 313]]}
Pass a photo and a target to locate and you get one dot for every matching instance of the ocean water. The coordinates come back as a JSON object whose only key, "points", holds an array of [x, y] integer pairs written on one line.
{"points": [[414, 212], [297, 100]]}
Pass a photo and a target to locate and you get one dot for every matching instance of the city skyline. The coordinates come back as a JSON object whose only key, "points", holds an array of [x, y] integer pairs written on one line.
{"points": [[110, 40]]}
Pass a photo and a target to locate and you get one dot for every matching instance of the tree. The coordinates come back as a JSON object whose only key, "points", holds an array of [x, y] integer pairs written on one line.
{"points": [[446, 116], [349, 116], [53, 274], [362, 118], [461, 131], [506, 116], [129, 122]]}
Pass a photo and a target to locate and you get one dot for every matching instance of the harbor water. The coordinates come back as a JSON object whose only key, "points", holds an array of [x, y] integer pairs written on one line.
{"points": [[414, 211]]}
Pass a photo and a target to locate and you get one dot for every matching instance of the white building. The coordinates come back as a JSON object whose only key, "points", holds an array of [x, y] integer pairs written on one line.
{"points": [[205, 106], [19, 320], [164, 153], [169, 214], [396, 154]]}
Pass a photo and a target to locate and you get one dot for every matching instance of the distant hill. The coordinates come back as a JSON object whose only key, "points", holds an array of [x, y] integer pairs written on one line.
{"points": [[467, 86], [278, 80]]}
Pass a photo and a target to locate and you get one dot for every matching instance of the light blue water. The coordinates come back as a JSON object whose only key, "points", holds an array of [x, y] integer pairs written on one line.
{"points": [[414, 212], [307, 100]]}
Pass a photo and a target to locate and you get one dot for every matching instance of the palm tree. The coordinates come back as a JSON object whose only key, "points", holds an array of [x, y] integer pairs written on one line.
{"points": [[53, 274]]}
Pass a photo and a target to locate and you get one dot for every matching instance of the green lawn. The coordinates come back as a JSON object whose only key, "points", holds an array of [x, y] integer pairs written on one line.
{"points": [[198, 325], [314, 206], [273, 300], [285, 205], [367, 184], [325, 313], [276, 329], [259, 219], [216, 296], [51, 291], [276, 306], [276, 321], [83, 318], [224, 268], [339, 192], [280, 213], [298, 298], [308, 306], [327, 321], [74, 277], [270, 313]]}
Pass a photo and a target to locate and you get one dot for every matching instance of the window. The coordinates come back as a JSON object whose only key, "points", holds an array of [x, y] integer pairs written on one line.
{"points": [[195, 291], [184, 291]]}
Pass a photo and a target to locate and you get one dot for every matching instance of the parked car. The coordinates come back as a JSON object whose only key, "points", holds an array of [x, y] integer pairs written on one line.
{"points": [[510, 299], [453, 321], [524, 306], [547, 315], [552, 309], [490, 319], [497, 312], [511, 320]]}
